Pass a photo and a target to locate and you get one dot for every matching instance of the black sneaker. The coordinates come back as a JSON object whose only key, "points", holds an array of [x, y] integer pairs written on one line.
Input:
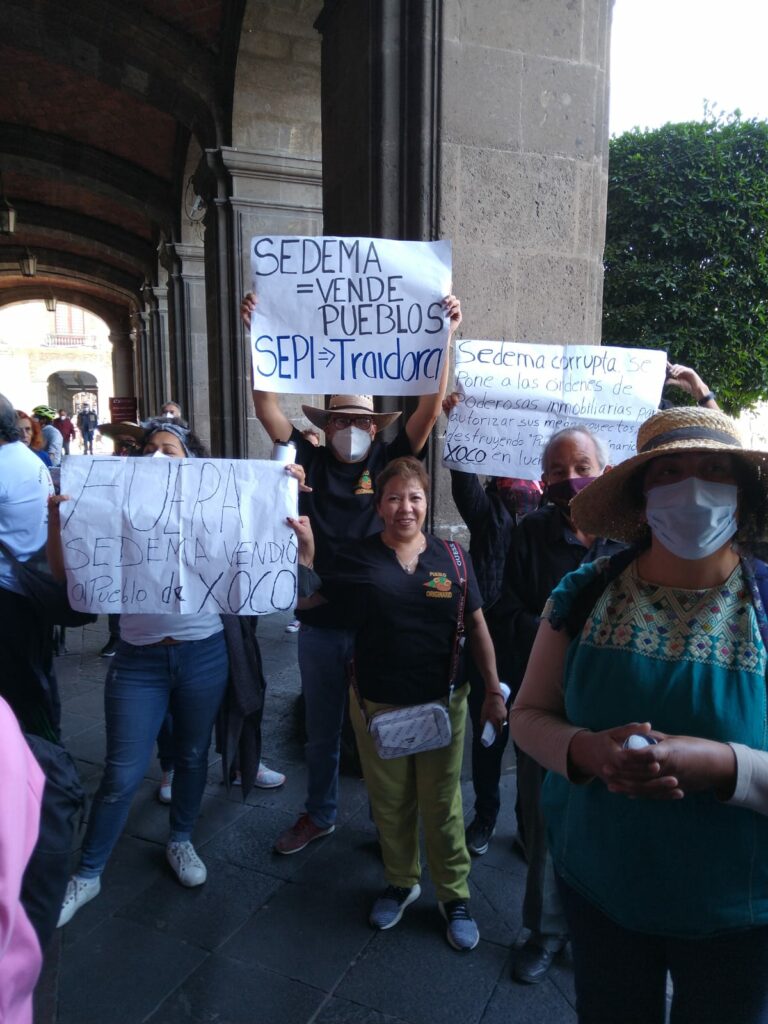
{"points": [[479, 835], [109, 648]]}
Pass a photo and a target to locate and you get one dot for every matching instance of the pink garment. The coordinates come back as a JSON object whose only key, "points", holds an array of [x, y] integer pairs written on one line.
{"points": [[21, 793]]}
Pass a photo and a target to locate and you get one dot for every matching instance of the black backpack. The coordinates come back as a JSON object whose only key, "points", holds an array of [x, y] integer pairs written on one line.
{"points": [[47, 873]]}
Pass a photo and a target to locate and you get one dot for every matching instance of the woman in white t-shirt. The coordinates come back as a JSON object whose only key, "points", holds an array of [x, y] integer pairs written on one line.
{"points": [[164, 662]]}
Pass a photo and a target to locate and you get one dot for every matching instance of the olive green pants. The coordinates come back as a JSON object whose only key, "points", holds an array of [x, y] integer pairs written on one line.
{"points": [[426, 785]]}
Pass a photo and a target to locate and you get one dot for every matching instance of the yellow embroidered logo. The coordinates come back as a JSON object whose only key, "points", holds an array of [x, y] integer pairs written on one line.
{"points": [[364, 484], [438, 586]]}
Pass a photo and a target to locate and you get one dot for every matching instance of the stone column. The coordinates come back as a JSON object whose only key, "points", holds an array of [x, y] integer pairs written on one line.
{"points": [[257, 193], [142, 362], [188, 333], [122, 360], [482, 123]]}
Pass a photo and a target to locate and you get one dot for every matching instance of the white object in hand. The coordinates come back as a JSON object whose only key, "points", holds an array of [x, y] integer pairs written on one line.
{"points": [[284, 451], [637, 742], [489, 734]]}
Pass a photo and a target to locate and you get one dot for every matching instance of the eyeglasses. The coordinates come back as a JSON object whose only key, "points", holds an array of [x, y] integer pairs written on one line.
{"points": [[340, 422]]}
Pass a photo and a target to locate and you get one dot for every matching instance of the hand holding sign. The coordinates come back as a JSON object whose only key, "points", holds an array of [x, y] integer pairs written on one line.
{"points": [[349, 315]]}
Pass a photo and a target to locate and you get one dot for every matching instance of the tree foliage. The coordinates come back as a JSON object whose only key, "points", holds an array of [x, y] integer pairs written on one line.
{"points": [[686, 256]]}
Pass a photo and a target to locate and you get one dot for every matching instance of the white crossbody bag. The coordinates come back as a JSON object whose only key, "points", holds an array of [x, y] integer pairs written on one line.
{"points": [[419, 727]]}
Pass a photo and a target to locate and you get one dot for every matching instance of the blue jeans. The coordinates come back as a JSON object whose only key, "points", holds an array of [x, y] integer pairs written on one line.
{"points": [[323, 656], [187, 678], [621, 974]]}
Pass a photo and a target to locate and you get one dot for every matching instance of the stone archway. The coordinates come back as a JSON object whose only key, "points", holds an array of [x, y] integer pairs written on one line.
{"points": [[69, 389]]}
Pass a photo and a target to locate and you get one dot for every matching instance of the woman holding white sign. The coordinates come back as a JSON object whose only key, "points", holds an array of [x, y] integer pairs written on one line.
{"points": [[164, 662], [410, 597]]}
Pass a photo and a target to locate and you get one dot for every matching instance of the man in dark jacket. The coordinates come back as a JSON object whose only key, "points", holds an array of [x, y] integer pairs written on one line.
{"points": [[87, 422], [544, 548], [491, 514]]}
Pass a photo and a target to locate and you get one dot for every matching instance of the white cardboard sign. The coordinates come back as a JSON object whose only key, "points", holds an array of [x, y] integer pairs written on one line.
{"points": [[514, 397], [162, 535], [349, 315]]}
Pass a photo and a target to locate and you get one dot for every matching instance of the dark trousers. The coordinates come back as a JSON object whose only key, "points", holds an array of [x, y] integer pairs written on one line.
{"points": [[542, 910], [621, 974], [486, 761], [27, 678]]}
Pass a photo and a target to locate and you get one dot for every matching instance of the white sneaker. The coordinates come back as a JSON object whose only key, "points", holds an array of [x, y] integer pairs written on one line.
{"points": [[266, 778], [189, 869], [293, 626], [79, 892], [165, 792]]}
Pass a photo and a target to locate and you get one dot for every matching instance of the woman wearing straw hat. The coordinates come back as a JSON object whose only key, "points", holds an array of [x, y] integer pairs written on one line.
{"points": [[649, 683]]}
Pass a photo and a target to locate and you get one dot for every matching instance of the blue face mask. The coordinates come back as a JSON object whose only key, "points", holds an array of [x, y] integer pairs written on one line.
{"points": [[692, 518]]}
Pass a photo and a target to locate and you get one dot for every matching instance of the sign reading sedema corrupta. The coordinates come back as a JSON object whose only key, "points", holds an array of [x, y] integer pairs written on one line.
{"points": [[514, 397]]}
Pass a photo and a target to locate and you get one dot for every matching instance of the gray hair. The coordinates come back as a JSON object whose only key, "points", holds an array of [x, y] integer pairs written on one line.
{"points": [[600, 449], [8, 429]]}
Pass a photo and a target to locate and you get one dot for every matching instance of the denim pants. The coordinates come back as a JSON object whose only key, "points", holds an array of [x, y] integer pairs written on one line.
{"points": [[323, 657], [621, 974], [426, 786], [187, 678]]}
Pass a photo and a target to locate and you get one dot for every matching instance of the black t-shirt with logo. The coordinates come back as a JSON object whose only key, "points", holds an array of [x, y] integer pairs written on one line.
{"points": [[405, 624], [341, 505]]}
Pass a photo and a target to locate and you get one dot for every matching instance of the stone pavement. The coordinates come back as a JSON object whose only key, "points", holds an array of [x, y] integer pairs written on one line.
{"points": [[272, 939]]}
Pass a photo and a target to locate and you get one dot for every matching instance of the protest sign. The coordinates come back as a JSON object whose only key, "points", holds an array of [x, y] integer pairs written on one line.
{"points": [[349, 315], [514, 397], [163, 536]]}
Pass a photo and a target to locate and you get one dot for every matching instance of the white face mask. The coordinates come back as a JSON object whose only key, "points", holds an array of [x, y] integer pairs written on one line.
{"points": [[692, 518], [351, 444]]}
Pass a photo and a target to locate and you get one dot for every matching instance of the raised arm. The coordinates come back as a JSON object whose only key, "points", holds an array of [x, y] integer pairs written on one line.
{"points": [[266, 403], [423, 418]]}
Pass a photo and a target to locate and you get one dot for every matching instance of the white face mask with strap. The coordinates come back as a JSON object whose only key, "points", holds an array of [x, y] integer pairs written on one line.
{"points": [[693, 518], [351, 443]]}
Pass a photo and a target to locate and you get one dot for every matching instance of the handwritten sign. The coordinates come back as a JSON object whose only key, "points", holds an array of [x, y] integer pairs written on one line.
{"points": [[514, 397], [161, 535], [349, 315]]}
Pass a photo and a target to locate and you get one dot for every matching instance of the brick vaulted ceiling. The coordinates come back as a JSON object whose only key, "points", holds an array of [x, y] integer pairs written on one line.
{"points": [[98, 102]]}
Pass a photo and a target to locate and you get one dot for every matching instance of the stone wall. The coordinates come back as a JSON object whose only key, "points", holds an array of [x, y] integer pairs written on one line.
{"points": [[523, 169]]}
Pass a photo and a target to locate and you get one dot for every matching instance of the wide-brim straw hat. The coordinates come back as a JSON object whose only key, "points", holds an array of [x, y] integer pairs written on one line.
{"points": [[353, 405], [609, 507], [126, 428]]}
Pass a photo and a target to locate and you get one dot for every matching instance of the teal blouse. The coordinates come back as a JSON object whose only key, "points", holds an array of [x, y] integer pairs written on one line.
{"points": [[691, 662]]}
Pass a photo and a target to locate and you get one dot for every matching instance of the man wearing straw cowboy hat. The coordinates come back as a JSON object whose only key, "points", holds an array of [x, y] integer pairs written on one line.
{"points": [[341, 474]]}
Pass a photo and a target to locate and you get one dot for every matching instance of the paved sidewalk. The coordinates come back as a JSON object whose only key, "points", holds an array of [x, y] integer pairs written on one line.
{"points": [[271, 939]]}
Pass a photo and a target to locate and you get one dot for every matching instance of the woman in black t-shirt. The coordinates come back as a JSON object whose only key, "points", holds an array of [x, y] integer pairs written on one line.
{"points": [[402, 589]]}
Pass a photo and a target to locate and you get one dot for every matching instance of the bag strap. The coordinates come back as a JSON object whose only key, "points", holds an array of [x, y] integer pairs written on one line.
{"points": [[756, 575], [459, 565], [8, 553]]}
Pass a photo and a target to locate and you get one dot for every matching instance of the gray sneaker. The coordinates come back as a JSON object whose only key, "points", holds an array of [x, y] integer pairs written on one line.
{"points": [[462, 931], [389, 907]]}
